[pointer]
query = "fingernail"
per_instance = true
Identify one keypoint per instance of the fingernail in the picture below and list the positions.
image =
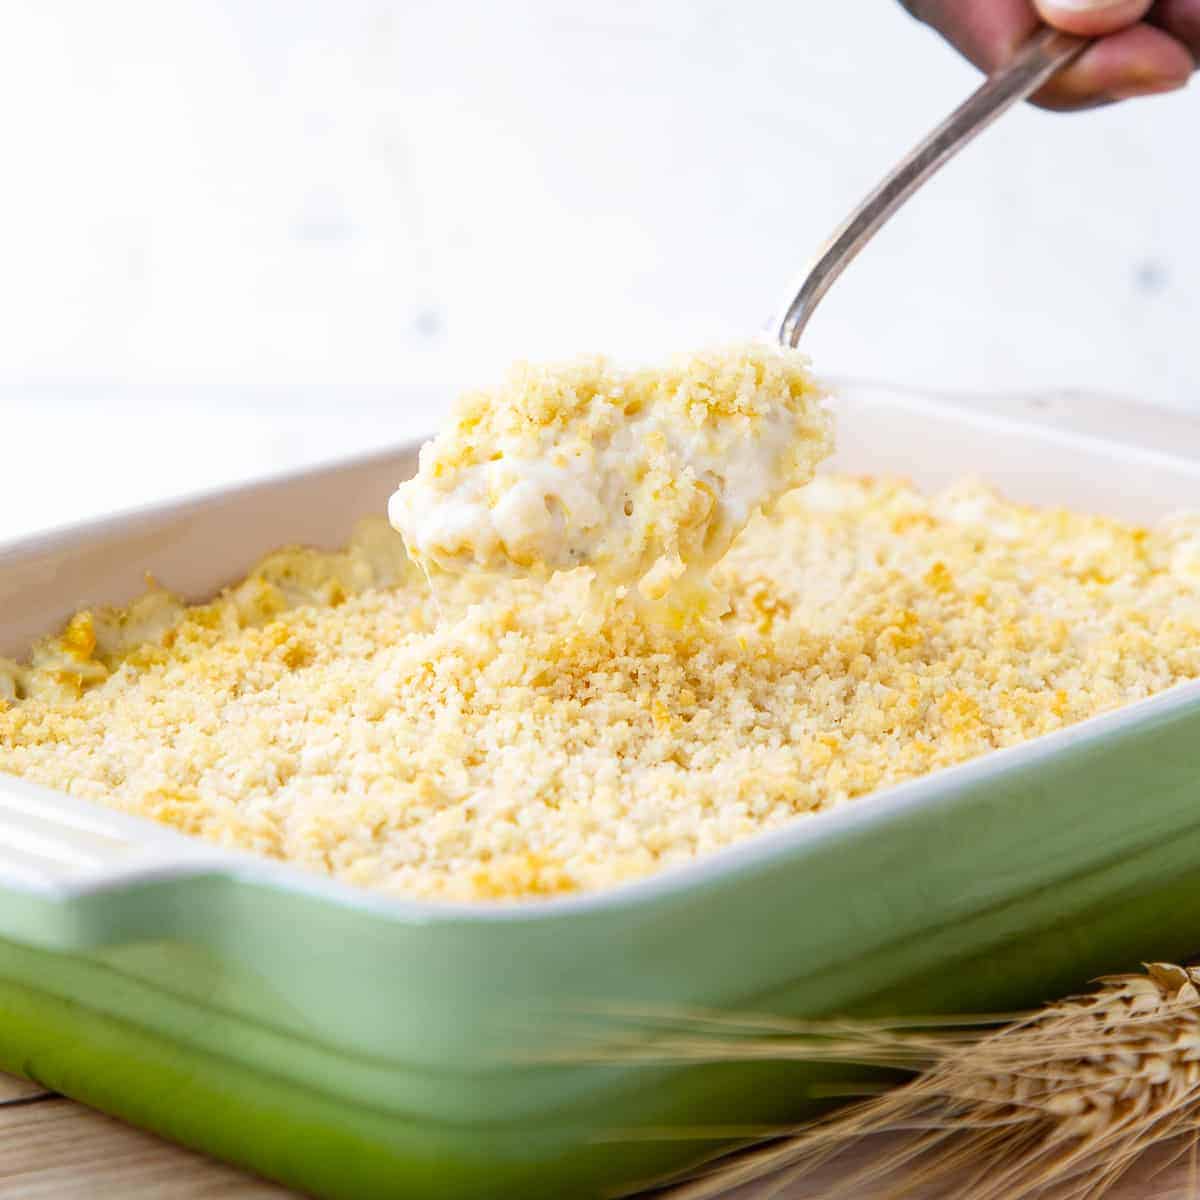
(1084, 5)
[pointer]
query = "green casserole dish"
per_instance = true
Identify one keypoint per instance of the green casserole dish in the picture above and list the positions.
(354, 1045)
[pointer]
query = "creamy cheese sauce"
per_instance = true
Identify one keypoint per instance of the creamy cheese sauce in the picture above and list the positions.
(641, 476)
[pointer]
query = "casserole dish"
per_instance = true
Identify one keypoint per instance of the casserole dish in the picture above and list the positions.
(353, 1045)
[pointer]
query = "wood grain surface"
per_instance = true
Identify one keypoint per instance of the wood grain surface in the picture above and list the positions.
(19, 1091)
(54, 1149)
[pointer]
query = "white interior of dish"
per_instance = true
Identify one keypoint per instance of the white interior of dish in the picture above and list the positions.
(196, 546)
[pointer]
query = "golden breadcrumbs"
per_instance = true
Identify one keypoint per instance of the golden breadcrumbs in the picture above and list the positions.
(318, 713)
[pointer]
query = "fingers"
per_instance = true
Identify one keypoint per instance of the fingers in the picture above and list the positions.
(988, 34)
(1092, 18)
(1156, 55)
(1140, 61)
(1181, 19)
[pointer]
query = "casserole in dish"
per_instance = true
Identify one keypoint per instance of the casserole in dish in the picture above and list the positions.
(352, 1044)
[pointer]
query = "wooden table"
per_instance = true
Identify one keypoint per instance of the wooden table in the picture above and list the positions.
(54, 1149)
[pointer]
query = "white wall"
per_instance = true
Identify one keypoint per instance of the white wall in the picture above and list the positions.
(408, 192)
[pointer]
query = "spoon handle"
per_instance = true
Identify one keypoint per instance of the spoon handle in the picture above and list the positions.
(1041, 57)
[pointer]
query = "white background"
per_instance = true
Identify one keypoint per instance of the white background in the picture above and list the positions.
(235, 235)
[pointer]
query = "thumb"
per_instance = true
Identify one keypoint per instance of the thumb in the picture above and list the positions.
(1092, 18)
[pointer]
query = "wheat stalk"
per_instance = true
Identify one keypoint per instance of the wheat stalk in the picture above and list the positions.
(1058, 1104)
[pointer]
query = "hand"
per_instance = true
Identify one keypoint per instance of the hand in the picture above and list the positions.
(1145, 47)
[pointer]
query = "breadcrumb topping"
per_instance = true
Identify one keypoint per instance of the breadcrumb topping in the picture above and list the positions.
(318, 713)
(641, 475)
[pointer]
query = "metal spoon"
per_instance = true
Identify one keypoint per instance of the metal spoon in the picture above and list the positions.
(1044, 54)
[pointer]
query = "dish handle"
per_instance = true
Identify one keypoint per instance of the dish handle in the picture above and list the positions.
(59, 855)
